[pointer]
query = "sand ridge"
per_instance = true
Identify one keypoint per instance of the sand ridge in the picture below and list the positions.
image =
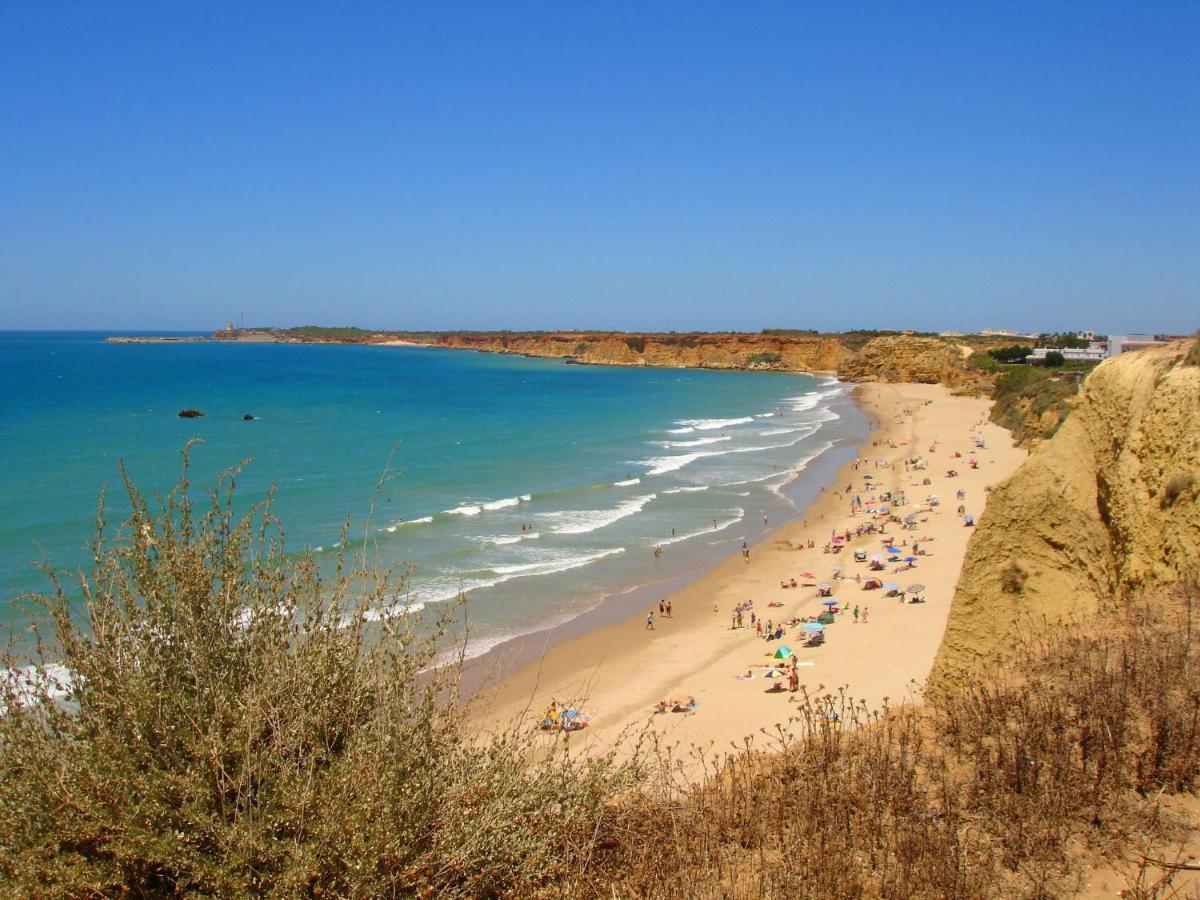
(618, 673)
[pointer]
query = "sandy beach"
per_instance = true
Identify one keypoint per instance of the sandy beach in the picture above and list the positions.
(619, 673)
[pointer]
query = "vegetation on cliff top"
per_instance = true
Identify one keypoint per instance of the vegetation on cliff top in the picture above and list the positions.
(238, 727)
(1032, 402)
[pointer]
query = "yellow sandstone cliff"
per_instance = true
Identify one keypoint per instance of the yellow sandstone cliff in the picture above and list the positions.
(1107, 508)
(707, 351)
(903, 358)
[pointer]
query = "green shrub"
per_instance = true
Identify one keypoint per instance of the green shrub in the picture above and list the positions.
(765, 358)
(240, 727)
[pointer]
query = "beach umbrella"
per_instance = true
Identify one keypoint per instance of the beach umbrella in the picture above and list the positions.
(910, 518)
(877, 557)
(869, 477)
(829, 603)
(916, 588)
(884, 509)
(892, 549)
(824, 586)
(890, 586)
(813, 627)
(910, 559)
(807, 575)
(783, 652)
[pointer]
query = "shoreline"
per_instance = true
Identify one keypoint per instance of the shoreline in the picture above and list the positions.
(618, 670)
(477, 671)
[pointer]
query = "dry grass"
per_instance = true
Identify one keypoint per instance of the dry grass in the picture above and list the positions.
(240, 728)
(992, 792)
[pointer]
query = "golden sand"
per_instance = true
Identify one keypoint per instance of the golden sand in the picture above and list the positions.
(618, 673)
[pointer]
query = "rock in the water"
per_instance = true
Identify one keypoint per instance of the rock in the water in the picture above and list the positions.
(248, 418)
(190, 414)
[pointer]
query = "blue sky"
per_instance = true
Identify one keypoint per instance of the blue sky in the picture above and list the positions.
(600, 165)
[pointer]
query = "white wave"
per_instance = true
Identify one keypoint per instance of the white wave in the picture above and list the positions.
(770, 415)
(583, 521)
(512, 538)
(720, 526)
(560, 563)
(699, 442)
(424, 520)
(710, 424)
(775, 431)
(503, 504)
(391, 528)
(687, 430)
(804, 402)
(627, 483)
(660, 465)
(29, 683)
(687, 489)
(450, 586)
(468, 510)
(799, 466)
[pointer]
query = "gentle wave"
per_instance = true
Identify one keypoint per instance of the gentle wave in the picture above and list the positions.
(627, 483)
(583, 521)
(450, 587)
(792, 472)
(720, 526)
(506, 503)
(710, 424)
(660, 465)
(770, 432)
(469, 510)
(558, 564)
(804, 402)
(686, 489)
(512, 538)
(29, 683)
(699, 442)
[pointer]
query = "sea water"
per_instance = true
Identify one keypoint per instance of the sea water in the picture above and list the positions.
(534, 486)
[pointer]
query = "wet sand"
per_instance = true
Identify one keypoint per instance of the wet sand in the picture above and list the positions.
(618, 672)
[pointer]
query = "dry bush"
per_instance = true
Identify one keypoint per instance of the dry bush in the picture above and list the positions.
(238, 727)
(990, 793)
(1012, 578)
(1193, 354)
(1177, 485)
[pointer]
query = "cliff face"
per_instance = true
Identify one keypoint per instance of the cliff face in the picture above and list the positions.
(709, 351)
(906, 359)
(1106, 508)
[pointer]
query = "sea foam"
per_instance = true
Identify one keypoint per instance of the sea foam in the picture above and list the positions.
(721, 525)
(583, 521)
(710, 424)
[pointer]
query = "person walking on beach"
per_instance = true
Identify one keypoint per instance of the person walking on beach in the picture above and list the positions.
(669, 609)
(650, 619)
(855, 613)
(866, 612)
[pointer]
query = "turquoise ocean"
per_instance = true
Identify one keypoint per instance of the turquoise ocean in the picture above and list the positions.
(600, 465)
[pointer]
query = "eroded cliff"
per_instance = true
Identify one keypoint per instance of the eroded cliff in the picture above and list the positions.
(707, 351)
(1104, 510)
(904, 358)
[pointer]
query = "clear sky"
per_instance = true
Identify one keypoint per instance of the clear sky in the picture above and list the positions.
(600, 165)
